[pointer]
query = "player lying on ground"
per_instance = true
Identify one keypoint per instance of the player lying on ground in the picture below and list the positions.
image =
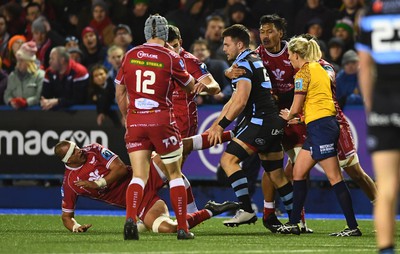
(96, 172)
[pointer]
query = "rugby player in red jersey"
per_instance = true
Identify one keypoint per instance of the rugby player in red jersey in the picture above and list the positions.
(144, 95)
(95, 172)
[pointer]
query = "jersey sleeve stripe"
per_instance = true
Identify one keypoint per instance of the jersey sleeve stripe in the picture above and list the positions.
(241, 78)
(110, 161)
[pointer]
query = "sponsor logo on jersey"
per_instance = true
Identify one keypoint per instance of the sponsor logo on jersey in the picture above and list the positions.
(275, 132)
(107, 154)
(298, 84)
(146, 63)
(278, 74)
(142, 54)
(94, 176)
(143, 103)
(133, 145)
(259, 141)
(182, 64)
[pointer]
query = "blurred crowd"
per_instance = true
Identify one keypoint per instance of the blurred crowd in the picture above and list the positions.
(58, 53)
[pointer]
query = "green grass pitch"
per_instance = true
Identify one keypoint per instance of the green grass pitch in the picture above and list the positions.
(46, 234)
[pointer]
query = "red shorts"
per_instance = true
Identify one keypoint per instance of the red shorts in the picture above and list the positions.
(150, 196)
(187, 124)
(152, 131)
(346, 147)
(295, 134)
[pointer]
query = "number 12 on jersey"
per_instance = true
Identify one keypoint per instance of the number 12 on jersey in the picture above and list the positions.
(144, 80)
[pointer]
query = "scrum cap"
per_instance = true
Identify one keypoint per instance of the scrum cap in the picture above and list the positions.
(156, 26)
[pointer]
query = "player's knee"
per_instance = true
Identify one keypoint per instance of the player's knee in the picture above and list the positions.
(237, 150)
(349, 162)
(164, 224)
(272, 165)
(172, 157)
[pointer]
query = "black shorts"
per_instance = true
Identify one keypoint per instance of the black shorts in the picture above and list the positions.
(384, 121)
(264, 135)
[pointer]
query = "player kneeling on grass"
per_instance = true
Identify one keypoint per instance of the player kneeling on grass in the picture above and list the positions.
(96, 172)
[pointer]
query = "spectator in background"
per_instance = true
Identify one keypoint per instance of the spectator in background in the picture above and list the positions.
(136, 20)
(114, 57)
(101, 22)
(71, 42)
(344, 30)
(350, 8)
(189, 19)
(3, 82)
(65, 83)
(335, 52)
(213, 35)
(26, 81)
(102, 93)
(12, 11)
(32, 12)
(347, 88)
(14, 44)
(315, 27)
(314, 9)
(93, 50)
(4, 36)
(217, 68)
(47, 9)
(45, 39)
(75, 54)
(123, 37)
(240, 14)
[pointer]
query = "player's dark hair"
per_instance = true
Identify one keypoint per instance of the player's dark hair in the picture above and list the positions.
(238, 32)
(173, 33)
(280, 23)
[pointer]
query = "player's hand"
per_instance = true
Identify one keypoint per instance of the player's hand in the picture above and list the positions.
(83, 228)
(199, 88)
(285, 114)
(234, 71)
(86, 184)
(215, 134)
(295, 120)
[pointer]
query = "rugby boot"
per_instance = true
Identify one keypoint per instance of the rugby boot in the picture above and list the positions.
(183, 235)
(241, 217)
(272, 223)
(218, 208)
(289, 228)
(348, 232)
(130, 230)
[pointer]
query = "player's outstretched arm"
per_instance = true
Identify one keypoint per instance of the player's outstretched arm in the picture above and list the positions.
(208, 85)
(72, 225)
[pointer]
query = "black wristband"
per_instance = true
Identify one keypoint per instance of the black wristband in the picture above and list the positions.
(224, 122)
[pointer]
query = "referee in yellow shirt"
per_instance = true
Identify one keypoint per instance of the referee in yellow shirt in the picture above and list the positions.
(313, 98)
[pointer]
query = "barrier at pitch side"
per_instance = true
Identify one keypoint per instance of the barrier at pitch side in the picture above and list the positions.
(27, 138)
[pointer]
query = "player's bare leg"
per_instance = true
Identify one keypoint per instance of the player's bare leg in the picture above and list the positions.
(358, 175)
(386, 166)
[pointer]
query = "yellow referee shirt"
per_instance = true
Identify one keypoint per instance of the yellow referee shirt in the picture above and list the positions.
(313, 81)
